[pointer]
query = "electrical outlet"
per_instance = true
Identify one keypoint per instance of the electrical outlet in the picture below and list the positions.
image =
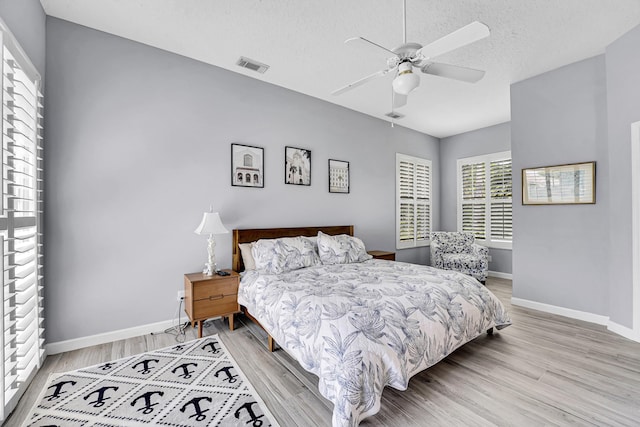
(490, 258)
(180, 295)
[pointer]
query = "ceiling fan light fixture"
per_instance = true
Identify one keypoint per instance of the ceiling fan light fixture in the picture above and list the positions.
(406, 81)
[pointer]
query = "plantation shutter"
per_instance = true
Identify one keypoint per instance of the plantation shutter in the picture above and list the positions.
(413, 201)
(501, 187)
(474, 199)
(423, 202)
(485, 198)
(20, 222)
(406, 185)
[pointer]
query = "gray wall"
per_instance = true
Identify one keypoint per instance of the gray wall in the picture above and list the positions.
(560, 253)
(623, 104)
(138, 146)
(26, 19)
(492, 139)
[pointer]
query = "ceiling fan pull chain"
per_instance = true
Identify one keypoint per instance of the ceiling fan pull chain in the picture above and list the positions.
(393, 109)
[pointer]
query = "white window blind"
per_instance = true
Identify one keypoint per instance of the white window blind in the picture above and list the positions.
(474, 194)
(485, 198)
(20, 222)
(413, 201)
(500, 186)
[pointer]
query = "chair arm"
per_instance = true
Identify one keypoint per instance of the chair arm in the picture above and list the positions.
(434, 246)
(436, 254)
(480, 250)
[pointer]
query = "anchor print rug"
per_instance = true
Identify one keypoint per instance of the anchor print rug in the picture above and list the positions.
(191, 384)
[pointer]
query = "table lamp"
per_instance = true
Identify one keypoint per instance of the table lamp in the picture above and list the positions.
(211, 224)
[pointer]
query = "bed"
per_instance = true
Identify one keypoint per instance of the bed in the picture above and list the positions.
(362, 324)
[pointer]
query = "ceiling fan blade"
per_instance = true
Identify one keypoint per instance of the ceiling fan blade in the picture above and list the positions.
(360, 82)
(399, 100)
(461, 37)
(456, 72)
(368, 44)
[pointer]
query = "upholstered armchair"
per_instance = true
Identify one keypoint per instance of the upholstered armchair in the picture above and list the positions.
(458, 251)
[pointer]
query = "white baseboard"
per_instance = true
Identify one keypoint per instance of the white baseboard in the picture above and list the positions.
(77, 343)
(623, 331)
(562, 311)
(107, 337)
(501, 275)
(614, 327)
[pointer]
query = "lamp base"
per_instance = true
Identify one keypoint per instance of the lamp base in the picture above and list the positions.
(210, 269)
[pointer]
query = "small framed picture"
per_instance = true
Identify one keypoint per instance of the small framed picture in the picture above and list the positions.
(297, 166)
(338, 176)
(247, 166)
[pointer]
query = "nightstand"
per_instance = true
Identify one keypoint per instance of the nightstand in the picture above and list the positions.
(211, 296)
(390, 256)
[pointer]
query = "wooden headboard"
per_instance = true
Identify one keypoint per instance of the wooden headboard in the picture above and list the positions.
(253, 234)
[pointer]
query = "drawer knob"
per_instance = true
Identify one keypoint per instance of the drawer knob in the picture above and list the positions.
(216, 297)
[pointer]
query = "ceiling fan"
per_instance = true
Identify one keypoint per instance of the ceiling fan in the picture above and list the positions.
(409, 55)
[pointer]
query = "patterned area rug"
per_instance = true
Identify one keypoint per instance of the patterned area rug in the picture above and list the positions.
(192, 384)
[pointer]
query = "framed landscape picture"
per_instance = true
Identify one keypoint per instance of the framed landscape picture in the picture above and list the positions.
(247, 166)
(338, 176)
(559, 185)
(297, 166)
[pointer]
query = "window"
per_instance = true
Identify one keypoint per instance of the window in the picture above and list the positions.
(484, 198)
(20, 222)
(413, 201)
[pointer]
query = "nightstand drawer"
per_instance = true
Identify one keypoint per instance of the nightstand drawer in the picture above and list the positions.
(217, 289)
(206, 308)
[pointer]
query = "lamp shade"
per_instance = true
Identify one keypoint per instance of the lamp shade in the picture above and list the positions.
(211, 224)
(406, 81)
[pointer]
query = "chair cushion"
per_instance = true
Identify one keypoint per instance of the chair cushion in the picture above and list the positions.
(462, 262)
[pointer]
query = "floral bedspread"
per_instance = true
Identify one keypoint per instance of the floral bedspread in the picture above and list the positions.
(360, 327)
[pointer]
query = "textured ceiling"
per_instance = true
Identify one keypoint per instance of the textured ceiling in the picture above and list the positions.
(303, 43)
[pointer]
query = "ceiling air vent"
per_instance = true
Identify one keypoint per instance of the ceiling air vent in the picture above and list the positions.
(252, 65)
(394, 115)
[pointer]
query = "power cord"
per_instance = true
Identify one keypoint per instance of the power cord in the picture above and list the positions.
(178, 330)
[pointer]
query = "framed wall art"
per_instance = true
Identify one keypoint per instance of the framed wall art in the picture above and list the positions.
(247, 166)
(560, 185)
(297, 166)
(338, 176)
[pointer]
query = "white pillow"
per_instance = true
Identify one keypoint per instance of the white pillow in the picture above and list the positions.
(314, 242)
(341, 249)
(275, 256)
(247, 256)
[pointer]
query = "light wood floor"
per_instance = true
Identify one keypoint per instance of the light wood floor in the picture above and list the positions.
(542, 370)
